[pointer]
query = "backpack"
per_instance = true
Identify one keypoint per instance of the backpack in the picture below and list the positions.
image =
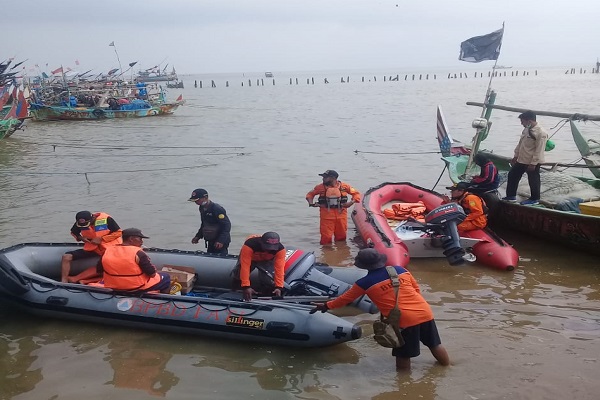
(387, 331)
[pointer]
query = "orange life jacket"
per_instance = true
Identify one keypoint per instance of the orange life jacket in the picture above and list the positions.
(98, 228)
(122, 272)
(333, 197)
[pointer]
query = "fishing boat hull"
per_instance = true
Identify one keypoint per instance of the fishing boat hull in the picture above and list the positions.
(376, 231)
(9, 126)
(30, 280)
(41, 112)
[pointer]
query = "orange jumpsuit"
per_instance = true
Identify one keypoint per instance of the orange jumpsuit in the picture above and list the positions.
(473, 206)
(334, 220)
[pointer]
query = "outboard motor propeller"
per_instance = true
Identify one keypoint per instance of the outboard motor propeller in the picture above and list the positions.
(444, 220)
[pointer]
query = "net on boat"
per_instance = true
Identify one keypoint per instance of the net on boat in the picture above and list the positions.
(559, 189)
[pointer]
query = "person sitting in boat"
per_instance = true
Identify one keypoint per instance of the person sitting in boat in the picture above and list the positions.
(333, 202)
(268, 255)
(128, 267)
(488, 179)
(473, 205)
(97, 231)
(416, 317)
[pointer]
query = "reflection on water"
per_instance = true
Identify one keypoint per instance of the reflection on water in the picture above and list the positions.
(139, 366)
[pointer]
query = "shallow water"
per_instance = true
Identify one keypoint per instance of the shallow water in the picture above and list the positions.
(529, 334)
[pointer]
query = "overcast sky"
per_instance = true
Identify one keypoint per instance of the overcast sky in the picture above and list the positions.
(218, 36)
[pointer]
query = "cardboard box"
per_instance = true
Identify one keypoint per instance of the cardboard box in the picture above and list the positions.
(186, 276)
(590, 208)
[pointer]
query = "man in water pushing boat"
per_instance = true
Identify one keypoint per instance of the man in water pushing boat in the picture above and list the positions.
(97, 231)
(335, 197)
(529, 155)
(416, 317)
(268, 255)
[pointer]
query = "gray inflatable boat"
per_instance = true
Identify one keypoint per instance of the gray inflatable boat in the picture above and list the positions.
(30, 279)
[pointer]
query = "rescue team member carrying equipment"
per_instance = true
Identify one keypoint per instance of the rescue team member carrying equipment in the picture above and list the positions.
(215, 226)
(333, 203)
(128, 267)
(473, 205)
(97, 231)
(268, 255)
(416, 317)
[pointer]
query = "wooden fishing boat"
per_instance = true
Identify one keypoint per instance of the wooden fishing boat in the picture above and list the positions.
(400, 241)
(41, 112)
(30, 280)
(12, 117)
(157, 76)
(569, 211)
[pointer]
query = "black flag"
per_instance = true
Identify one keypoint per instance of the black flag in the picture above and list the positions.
(481, 48)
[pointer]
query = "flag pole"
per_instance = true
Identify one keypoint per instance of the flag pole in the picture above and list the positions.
(113, 45)
(489, 88)
(480, 131)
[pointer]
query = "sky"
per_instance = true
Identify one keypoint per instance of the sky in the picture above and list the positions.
(238, 36)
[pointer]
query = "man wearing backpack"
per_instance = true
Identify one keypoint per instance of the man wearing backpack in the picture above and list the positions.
(416, 318)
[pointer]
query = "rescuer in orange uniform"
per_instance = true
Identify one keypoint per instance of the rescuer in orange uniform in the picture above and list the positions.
(128, 267)
(333, 202)
(416, 318)
(268, 255)
(473, 205)
(97, 232)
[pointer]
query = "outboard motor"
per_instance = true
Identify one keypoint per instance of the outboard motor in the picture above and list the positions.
(304, 279)
(444, 220)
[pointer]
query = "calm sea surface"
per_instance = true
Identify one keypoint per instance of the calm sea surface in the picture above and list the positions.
(533, 333)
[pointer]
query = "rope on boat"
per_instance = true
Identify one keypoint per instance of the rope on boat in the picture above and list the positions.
(104, 147)
(182, 303)
(440, 177)
(397, 153)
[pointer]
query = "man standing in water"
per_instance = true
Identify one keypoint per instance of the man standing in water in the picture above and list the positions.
(416, 318)
(215, 226)
(333, 202)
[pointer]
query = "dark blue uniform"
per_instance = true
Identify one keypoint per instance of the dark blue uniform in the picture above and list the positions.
(215, 227)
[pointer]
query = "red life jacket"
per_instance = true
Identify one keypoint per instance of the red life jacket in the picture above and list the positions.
(122, 272)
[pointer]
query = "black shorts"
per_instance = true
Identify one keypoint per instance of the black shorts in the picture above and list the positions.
(425, 333)
(80, 254)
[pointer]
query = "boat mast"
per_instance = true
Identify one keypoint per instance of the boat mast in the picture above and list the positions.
(482, 128)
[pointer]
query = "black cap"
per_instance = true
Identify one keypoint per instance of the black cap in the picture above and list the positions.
(133, 232)
(331, 173)
(528, 115)
(459, 186)
(370, 259)
(197, 194)
(83, 215)
(270, 241)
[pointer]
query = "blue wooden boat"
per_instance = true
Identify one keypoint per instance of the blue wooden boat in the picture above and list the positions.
(42, 112)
